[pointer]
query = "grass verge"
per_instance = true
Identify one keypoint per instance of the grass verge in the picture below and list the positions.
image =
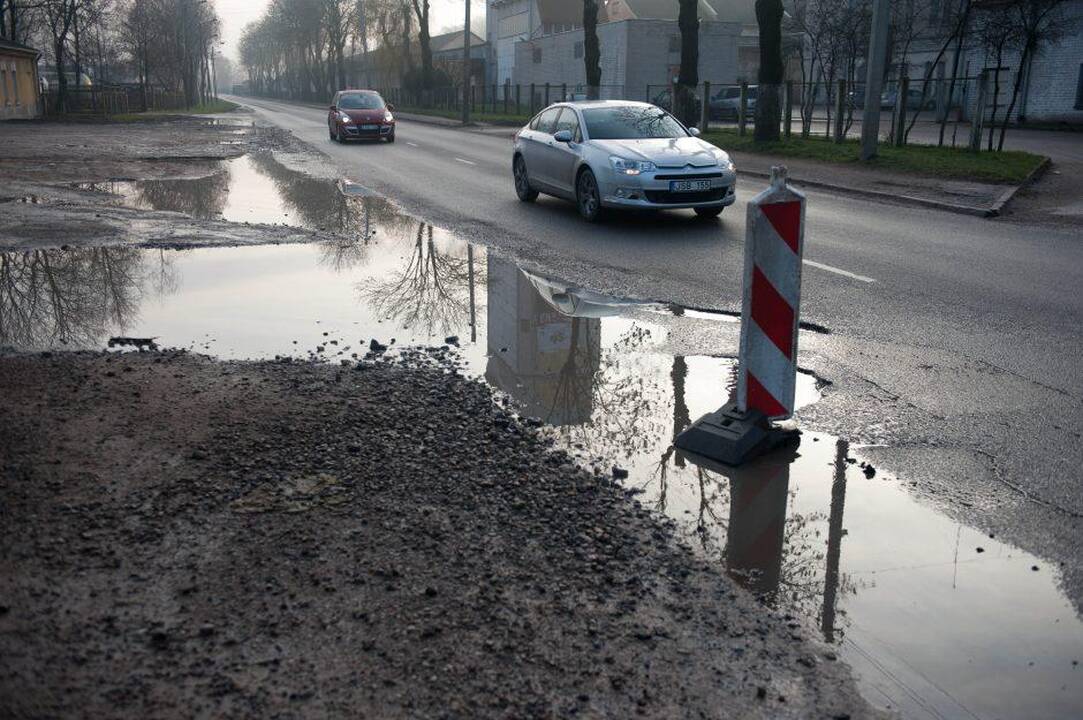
(498, 118)
(1009, 166)
(212, 108)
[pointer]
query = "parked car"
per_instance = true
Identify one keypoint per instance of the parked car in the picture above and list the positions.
(663, 100)
(620, 154)
(913, 99)
(360, 114)
(726, 103)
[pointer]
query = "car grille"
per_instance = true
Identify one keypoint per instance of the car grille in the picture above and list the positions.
(666, 197)
(695, 176)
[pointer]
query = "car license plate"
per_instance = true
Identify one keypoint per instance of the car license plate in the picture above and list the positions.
(370, 127)
(689, 185)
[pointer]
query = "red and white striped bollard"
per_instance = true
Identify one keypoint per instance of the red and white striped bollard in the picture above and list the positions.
(767, 360)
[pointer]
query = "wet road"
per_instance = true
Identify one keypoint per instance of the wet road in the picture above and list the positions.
(938, 618)
(954, 345)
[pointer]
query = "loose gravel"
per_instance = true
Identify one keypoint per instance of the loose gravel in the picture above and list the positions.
(181, 537)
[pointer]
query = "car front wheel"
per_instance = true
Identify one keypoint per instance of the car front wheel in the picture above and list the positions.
(587, 196)
(522, 181)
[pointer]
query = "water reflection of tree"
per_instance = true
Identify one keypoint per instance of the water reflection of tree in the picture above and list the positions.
(320, 204)
(201, 198)
(51, 297)
(431, 292)
(624, 422)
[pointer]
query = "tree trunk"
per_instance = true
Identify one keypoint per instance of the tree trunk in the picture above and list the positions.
(772, 70)
(78, 48)
(684, 105)
(61, 81)
(960, 34)
(996, 95)
(591, 52)
(1023, 58)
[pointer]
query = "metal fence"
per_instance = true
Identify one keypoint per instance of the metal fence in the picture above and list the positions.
(947, 111)
(512, 100)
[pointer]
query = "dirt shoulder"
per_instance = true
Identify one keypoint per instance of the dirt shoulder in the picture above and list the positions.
(186, 537)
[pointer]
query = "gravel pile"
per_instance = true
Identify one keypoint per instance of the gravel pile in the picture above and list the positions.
(182, 537)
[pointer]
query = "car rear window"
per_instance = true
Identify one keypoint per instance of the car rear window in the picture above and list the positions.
(630, 122)
(362, 101)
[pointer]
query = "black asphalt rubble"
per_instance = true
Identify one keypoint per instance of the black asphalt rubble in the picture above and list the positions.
(183, 537)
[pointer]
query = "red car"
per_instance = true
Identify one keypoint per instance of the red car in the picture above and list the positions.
(360, 114)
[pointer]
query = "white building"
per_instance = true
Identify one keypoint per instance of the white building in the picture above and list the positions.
(541, 41)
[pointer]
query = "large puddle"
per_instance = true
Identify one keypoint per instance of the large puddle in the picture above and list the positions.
(937, 619)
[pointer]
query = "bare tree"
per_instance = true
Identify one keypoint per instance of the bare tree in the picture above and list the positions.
(1039, 24)
(998, 32)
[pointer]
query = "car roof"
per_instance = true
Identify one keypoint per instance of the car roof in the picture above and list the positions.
(584, 104)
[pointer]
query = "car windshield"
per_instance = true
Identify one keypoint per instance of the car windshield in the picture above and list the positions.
(630, 122)
(366, 101)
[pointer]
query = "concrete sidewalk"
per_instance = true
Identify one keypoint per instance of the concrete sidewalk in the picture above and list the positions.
(968, 197)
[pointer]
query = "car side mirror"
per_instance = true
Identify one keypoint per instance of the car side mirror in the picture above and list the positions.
(390, 107)
(564, 136)
(332, 108)
(693, 131)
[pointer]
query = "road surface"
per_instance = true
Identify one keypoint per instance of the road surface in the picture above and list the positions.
(954, 342)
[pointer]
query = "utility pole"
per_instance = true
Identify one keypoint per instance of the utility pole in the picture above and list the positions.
(466, 65)
(874, 78)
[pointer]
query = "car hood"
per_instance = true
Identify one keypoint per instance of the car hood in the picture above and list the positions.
(663, 152)
(366, 115)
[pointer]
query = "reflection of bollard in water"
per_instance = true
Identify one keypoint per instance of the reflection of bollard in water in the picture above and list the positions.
(758, 496)
(767, 362)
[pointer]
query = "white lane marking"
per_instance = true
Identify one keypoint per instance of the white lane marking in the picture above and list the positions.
(847, 273)
(468, 162)
(411, 144)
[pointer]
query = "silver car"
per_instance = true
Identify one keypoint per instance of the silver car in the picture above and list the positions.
(620, 154)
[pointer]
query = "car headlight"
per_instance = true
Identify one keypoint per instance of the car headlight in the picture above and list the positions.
(724, 161)
(631, 167)
(388, 117)
(344, 118)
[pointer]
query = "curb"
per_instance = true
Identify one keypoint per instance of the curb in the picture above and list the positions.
(887, 197)
(1008, 195)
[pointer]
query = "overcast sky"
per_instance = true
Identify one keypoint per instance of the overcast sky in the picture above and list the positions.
(444, 15)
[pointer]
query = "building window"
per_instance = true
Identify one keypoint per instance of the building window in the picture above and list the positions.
(4, 85)
(537, 55)
(674, 43)
(1079, 90)
(15, 83)
(578, 50)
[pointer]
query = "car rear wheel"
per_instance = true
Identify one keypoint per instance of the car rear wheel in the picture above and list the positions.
(708, 212)
(522, 181)
(587, 197)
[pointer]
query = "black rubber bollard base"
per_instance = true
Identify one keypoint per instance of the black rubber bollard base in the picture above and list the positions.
(731, 437)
